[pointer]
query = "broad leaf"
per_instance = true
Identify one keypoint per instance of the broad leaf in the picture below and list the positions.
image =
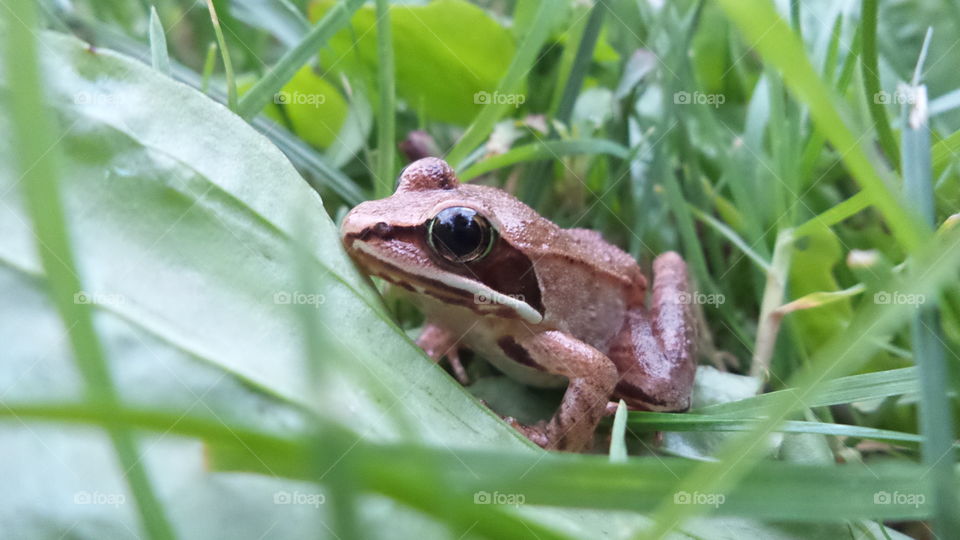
(446, 51)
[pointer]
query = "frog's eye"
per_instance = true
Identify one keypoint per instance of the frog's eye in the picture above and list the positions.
(460, 234)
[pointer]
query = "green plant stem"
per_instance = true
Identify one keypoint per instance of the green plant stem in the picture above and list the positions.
(768, 326)
(386, 123)
(36, 146)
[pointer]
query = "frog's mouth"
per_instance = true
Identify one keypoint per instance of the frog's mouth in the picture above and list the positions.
(399, 261)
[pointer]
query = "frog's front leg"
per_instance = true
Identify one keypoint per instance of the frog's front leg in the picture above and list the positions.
(438, 342)
(592, 377)
(655, 350)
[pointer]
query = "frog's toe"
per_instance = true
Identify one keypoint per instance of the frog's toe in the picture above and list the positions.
(611, 408)
(536, 433)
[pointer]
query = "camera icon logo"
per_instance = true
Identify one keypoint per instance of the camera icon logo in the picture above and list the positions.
(481, 497)
(681, 97)
(481, 98)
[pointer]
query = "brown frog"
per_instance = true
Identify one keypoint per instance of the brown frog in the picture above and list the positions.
(545, 305)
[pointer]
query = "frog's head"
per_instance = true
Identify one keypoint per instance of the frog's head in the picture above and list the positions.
(461, 244)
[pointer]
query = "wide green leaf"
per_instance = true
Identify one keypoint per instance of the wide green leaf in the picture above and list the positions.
(446, 51)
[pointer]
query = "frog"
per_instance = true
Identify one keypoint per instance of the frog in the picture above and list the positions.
(550, 307)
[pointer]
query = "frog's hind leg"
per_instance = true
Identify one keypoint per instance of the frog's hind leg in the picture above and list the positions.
(655, 350)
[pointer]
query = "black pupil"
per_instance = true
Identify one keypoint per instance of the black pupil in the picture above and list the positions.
(460, 233)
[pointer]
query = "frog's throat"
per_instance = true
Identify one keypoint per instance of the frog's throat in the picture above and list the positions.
(486, 300)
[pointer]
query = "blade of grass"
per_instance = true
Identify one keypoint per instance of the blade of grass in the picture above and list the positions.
(522, 63)
(618, 435)
(871, 82)
(771, 36)
(730, 235)
(225, 54)
(850, 389)
(581, 62)
(544, 149)
(645, 421)
(158, 44)
(945, 103)
(945, 151)
(386, 122)
(816, 141)
(835, 214)
(36, 145)
(262, 92)
(936, 418)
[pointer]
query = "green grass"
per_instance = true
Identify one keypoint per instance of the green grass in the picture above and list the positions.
(749, 139)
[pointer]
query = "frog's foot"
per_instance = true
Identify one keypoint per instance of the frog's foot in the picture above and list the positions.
(438, 342)
(536, 433)
(655, 351)
(592, 377)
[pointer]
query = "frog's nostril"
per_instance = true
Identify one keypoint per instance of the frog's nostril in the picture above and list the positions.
(382, 229)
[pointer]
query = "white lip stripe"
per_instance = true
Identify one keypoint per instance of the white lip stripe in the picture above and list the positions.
(523, 309)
